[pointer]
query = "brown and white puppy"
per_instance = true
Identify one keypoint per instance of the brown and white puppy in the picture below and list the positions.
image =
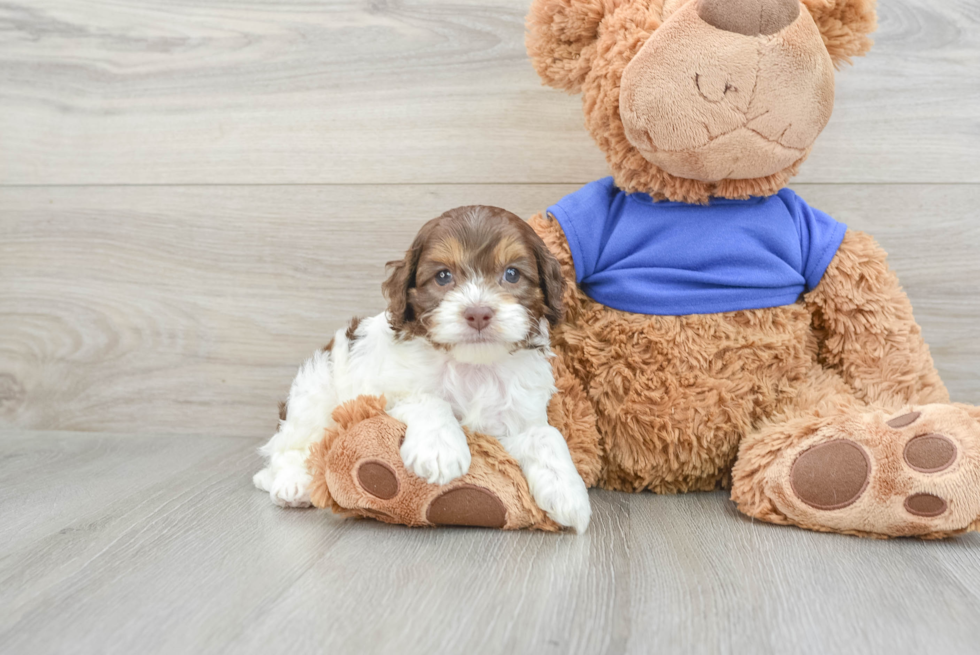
(477, 282)
(464, 342)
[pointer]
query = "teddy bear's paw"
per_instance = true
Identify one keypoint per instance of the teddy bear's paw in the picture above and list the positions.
(288, 487)
(916, 472)
(398, 497)
(361, 471)
(467, 504)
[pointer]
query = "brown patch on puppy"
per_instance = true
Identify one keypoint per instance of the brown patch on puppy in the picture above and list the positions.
(351, 333)
(282, 410)
(449, 252)
(508, 250)
(402, 278)
(466, 244)
(552, 281)
(329, 347)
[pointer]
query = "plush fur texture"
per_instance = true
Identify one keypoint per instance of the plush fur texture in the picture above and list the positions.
(464, 344)
(827, 413)
(752, 113)
(361, 431)
(587, 45)
(686, 403)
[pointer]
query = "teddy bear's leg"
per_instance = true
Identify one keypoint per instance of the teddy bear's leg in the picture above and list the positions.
(357, 470)
(840, 466)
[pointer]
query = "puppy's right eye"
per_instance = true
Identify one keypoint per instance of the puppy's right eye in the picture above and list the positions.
(444, 277)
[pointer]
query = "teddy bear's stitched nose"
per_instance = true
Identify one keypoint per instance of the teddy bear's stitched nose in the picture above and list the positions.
(749, 17)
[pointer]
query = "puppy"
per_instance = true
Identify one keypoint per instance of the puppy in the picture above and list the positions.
(464, 342)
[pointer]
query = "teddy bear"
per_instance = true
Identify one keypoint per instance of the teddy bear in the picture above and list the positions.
(718, 332)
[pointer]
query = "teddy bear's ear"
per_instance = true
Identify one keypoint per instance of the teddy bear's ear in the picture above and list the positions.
(845, 26)
(561, 39)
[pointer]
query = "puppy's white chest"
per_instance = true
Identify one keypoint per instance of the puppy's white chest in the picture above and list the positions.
(480, 396)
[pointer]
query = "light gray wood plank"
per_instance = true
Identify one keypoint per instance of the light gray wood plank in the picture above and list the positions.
(198, 561)
(166, 549)
(187, 309)
(707, 580)
(467, 592)
(175, 309)
(152, 92)
(66, 501)
(160, 545)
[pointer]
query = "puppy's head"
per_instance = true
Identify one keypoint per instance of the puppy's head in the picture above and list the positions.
(478, 282)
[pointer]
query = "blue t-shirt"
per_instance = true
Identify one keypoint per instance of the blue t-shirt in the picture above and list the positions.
(674, 258)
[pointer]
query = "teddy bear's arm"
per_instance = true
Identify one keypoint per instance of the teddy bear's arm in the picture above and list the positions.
(866, 330)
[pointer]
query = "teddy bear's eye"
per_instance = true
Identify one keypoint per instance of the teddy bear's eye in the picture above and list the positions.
(444, 277)
(512, 275)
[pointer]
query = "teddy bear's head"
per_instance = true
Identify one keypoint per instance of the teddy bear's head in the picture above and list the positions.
(697, 98)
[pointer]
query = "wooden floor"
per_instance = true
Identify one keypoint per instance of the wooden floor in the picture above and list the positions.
(134, 543)
(195, 193)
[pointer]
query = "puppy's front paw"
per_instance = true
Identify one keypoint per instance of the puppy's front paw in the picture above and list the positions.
(263, 479)
(436, 453)
(564, 499)
(290, 488)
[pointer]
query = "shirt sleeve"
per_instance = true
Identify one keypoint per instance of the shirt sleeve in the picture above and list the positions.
(820, 237)
(582, 215)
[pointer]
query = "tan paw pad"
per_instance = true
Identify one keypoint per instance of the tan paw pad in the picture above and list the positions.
(930, 453)
(468, 505)
(915, 472)
(378, 479)
(903, 420)
(831, 475)
(925, 505)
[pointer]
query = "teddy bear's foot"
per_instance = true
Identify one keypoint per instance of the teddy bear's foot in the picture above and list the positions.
(357, 470)
(912, 473)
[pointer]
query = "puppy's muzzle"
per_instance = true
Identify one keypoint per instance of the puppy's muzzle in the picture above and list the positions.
(478, 317)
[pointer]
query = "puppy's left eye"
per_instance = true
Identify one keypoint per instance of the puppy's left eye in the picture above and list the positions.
(512, 275)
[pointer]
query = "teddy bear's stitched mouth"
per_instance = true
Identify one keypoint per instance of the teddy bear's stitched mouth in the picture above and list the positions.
(643, 141)
(708, 163)
(648, 146)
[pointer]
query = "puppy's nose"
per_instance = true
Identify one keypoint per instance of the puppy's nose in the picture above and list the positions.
(478, 317)
(749, 17)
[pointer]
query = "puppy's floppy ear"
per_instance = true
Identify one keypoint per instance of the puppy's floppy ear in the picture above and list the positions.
(844, 26)
(400, 281)
(551, 280)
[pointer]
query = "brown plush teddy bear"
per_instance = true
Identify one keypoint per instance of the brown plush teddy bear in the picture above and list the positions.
(719, 332)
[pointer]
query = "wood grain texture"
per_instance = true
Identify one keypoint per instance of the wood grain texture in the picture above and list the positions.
(182, 309)
(709, 580)
(131, 543)
(403, 91)
(188, 309)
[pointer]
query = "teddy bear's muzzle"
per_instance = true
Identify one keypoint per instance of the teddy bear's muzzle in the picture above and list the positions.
(728, 89)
